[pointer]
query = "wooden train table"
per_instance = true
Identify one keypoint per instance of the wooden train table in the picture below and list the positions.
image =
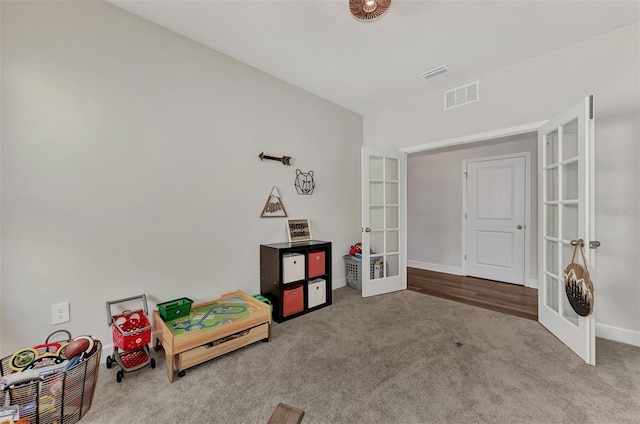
(211, 329)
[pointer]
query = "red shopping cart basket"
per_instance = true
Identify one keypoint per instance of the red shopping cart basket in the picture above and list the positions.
(131, 329)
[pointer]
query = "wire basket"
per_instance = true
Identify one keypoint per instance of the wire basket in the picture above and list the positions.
(62, 397)
(131, 330)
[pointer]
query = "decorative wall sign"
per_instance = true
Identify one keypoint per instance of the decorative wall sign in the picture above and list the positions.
(286, 160)
(273, 208)
(298, 230)
(304, 182)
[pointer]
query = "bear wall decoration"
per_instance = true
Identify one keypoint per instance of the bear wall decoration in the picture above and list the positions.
(304, 182)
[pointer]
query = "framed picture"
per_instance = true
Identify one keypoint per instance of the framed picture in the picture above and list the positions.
(298, 230)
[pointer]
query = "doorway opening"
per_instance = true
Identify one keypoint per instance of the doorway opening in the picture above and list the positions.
(436, 233)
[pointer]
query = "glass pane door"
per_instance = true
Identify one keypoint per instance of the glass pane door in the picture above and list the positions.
(566, 213)
(383, 222)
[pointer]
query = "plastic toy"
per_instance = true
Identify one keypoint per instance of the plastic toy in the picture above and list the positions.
(131, 336)
(81, 346)
(356, 249)
(37, 357)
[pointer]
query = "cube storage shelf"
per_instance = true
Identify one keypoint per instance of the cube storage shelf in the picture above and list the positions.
(296, 277)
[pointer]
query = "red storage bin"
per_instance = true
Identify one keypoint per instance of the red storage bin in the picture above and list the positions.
(293, 300)
(316, 263)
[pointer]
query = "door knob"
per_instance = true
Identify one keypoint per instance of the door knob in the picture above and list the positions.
(519, 227)
(367, 230)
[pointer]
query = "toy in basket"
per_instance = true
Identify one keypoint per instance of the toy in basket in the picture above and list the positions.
(131, 332)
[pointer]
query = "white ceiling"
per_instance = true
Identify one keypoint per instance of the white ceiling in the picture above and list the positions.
(367, 66)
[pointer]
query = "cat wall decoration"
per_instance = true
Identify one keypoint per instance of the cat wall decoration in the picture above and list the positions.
(304, 182)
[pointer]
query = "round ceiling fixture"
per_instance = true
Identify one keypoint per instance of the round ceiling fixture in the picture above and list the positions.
(368, 10)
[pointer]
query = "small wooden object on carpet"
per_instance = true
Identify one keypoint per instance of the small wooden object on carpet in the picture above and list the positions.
(285, 414)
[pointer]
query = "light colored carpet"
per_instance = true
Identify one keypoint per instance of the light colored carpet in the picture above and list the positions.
(404, 357)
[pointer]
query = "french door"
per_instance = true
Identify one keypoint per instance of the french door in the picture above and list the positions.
(566, 214)
(384, 223)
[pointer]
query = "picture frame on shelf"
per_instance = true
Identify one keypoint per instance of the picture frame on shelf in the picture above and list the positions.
(298, 230)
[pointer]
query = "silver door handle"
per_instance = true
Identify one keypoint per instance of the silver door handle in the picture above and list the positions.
(519, 227)
(367, 230)
(592, 244)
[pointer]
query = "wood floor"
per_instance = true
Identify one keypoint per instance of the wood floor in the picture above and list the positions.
(502, 297)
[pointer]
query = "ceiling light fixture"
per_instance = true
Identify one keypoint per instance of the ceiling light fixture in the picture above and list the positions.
(368, 10)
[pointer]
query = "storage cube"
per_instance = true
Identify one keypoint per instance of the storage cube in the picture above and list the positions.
(293, 300)
(292, 267)
(316, 263)
(317, 292)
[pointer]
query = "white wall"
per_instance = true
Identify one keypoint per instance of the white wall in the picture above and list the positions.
(434, 209)
(130, 165)
(606, 66)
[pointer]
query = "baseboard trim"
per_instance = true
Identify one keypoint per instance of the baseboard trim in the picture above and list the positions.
(618, 334)
(532, 283)
(427, 266)
(107, 350)
(339, 282)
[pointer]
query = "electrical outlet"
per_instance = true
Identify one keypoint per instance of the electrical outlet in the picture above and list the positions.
(60, 313)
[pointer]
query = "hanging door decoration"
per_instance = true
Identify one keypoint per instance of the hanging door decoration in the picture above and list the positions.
(273, 208)
(577, 283)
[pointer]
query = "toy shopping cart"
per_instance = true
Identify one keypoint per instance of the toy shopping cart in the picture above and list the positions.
(131, 336)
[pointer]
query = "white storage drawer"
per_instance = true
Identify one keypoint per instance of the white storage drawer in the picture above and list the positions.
(317, 291)
(292, 267)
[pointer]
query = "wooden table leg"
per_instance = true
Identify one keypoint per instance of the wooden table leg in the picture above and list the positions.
(170, 360)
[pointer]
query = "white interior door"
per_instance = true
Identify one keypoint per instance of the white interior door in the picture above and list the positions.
(495, 223)
(566, 212)
(384, 221)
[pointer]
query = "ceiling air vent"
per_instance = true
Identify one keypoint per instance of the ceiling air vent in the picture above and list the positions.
(436, 72)
(462, 95)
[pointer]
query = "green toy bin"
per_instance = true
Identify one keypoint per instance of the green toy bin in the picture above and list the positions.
(175, 308)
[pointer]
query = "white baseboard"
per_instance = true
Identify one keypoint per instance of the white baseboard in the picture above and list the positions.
(618, 334)
(455, 270)
(532, 283)
(339, 282)
(107, 350)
